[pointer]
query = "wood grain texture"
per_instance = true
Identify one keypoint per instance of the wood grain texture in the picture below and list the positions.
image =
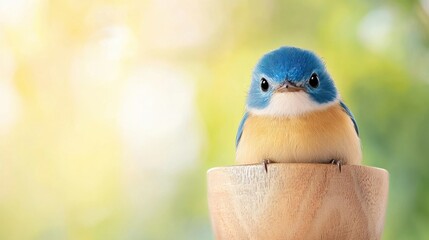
(297, 201)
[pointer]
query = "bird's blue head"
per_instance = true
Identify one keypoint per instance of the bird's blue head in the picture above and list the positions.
(290, 81)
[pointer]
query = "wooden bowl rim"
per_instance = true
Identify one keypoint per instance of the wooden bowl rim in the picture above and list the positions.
(291, 166)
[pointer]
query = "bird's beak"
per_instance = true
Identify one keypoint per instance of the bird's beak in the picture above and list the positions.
(289, 87)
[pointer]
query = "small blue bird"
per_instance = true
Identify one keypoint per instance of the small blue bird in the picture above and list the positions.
(294, 114)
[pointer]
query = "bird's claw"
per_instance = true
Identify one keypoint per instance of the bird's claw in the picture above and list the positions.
(337, 162)
(265, 163)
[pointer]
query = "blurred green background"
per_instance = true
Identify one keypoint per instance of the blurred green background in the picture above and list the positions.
(112, 111)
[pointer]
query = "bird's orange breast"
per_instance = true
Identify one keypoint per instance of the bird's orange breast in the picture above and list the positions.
(314, 137)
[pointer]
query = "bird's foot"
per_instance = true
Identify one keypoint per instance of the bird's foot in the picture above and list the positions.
(265, 163)
(337, 162)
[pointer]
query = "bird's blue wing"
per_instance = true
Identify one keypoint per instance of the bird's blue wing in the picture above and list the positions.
(240, 129)
(347, 110)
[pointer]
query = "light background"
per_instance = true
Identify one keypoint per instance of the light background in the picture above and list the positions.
(112, 111)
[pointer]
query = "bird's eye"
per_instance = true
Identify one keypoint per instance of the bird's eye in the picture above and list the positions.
(264, 84)
(314, 81)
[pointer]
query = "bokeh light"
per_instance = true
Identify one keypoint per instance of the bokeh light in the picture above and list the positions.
(111, 112)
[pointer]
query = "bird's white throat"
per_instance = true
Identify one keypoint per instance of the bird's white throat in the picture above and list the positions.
(290, 104)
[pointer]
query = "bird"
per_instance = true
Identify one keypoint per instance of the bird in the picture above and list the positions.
(294, 114)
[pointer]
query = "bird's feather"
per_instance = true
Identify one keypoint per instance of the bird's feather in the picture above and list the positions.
(319, 136)
(240, 129)
(347, 110)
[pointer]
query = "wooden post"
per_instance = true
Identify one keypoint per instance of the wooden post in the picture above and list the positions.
(297, 201)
